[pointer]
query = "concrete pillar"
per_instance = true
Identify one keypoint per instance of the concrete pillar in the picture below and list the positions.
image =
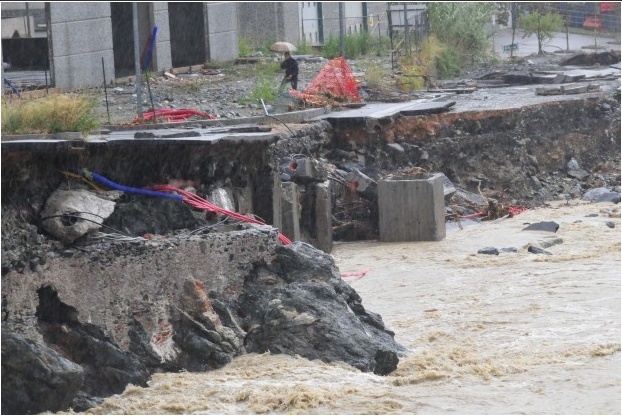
(412, 208)
(290, 211)
(323, 218)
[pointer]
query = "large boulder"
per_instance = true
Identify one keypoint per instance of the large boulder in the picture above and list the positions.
(299, 305)
(35, 378)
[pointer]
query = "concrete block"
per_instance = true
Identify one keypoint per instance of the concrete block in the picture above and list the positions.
(244, 198)
(290, 211)
(362, 183)
(323, 218)
(307, 170)
(574, 88)
(412, 208)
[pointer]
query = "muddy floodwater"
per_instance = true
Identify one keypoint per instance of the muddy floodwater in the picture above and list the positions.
(514, 333)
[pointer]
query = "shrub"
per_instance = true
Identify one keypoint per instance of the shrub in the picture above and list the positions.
(353, 49)
(331, 48)
(304, 48)
(365, 44)
(448, 63)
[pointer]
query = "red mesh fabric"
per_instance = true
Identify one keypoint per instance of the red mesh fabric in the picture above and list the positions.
(335, 80)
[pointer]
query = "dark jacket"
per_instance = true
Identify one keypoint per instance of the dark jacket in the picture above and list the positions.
(291, 67)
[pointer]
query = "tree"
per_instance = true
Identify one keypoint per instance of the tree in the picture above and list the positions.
(542, 24)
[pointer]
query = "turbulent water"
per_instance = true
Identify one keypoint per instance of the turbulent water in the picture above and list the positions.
(517, 333)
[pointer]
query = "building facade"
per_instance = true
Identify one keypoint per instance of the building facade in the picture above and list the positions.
(77, 45)
(82, 42)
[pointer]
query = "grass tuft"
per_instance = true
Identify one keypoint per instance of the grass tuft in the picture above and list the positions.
(52, 114)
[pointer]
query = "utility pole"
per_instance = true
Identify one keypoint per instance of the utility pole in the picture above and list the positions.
(28, 20)
(342, 31)
(139, 99)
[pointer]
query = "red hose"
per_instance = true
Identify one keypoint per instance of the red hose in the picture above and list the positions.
(202, 204)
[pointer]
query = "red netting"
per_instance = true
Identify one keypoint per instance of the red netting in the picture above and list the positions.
(336, 81)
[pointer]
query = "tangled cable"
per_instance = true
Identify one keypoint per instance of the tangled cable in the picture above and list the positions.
(167, 191)
(173, 115)
(197, 202)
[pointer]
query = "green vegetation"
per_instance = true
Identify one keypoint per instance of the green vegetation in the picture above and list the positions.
(543, 25)
(267, 88)
(376, 76)
(244, 47)
(448, 63)
(265, 47)
(461, 26)
(418, 69)
(331, 48)
(358, 44)
(53, 114)
(304, 48)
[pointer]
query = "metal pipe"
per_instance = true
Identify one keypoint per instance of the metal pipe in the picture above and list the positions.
(105, 89)
(139, 100)
(342, 31)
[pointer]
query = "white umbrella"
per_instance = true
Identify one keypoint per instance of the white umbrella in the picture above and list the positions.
(282, 47)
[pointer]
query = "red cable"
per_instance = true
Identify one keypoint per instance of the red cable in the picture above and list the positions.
(200, 203)
(174, 115)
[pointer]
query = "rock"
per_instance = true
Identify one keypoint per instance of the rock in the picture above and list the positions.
(35, 378)
(572, 164)
(608, 197)
(309, 311)
(509, 250)
(69, 215)
(538, 250)
(139, 215)
(488, 250)
(543, 226)
(396, 147)
(537, 185)
(578, 174)
(594, 193)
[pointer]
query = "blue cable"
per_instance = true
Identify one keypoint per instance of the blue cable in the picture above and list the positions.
(150, 51)
(13, 88)
(113, 185)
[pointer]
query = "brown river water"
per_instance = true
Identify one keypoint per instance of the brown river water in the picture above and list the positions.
(517, 333)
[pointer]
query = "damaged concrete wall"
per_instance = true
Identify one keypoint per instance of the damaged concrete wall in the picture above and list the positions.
(32, 172)
(106, 285)
(505, 146)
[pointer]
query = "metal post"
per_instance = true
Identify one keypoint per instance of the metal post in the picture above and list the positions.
(139, 100)
(28, 20)
(342, 31)
(105, 89)
(406, 31)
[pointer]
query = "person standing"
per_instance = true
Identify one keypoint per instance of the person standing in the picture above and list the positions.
(291, 71)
